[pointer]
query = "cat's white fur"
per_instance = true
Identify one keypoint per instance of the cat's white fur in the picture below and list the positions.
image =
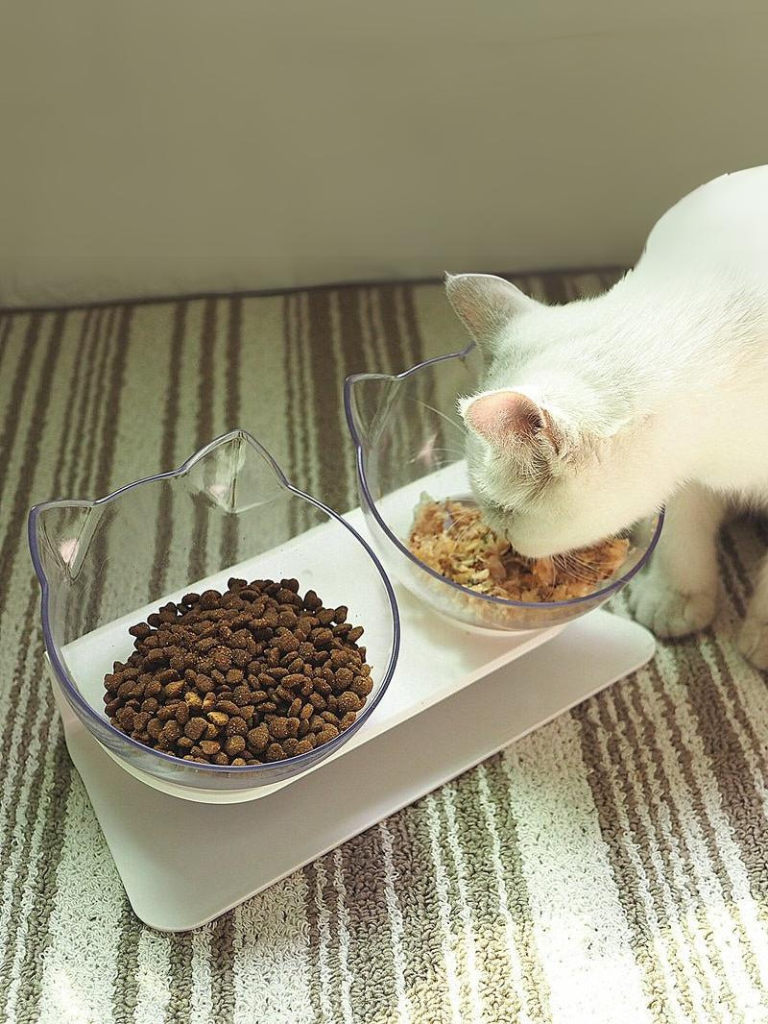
(653, 394)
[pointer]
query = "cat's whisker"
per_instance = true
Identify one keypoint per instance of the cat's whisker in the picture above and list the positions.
(576, 567)
(442, 415)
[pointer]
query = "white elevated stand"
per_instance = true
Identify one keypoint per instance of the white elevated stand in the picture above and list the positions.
(456, 698)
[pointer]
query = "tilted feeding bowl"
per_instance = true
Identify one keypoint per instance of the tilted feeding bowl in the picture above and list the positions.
(409, 440)
(228, 511)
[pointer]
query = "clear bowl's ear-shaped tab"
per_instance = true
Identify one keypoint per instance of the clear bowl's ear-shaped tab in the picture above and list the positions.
(236, 474)
(371, 400)
(62, 533)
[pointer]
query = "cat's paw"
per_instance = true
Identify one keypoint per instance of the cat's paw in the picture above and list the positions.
(668, 611)
(753, 641)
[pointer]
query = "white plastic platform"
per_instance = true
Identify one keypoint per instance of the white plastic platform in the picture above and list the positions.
(440, 721)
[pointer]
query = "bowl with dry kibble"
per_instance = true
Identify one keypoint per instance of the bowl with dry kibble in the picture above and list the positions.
(429, 532)
(218, 631)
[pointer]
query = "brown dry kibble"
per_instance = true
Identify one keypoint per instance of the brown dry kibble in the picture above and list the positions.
(256, 674)
(234, 745)
(171, 731)
(193, 700)
(362, 686)
(218, 718)
(195, 728)
(227, 708)
(278, 729)
(328, 733)
(344, 676)
(451, 538)
(258, 739)
(349, 701)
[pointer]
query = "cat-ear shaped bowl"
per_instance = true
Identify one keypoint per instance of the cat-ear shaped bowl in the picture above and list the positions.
(409, 440)
(229, 511)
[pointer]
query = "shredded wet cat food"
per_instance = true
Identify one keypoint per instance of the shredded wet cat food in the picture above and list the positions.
(451, 538)
(253, 675)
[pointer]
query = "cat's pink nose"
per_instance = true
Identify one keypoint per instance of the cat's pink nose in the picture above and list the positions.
(502, 415)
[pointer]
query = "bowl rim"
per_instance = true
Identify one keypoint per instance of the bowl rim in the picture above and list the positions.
(614, 584)
(71, 691)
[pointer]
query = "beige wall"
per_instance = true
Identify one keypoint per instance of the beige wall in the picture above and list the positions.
(182, 145)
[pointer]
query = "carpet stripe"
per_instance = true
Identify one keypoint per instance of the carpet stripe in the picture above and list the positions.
(633, 886)
(396, 927)
(232, 413)
(204, 433)
(322, 426)
(291, 403)
(201, 1001)
(39, 415)
(345, 335)
(17, 713)
(342, 922)
(81, 837)
(681, 954)
(311, 913)
(24, 723)
(153, 995)
(748, 684)
(99, 412)
(450, 941)
(731, 953)
(324, 954)
(84, 926)
(168, 442)
(25, 837)
(272, 957)
(49, 808)
(577, 924)
(222, 969)
(6, 326)
(661, 821)
(524, 973)
(417, 891)
(497, 968)
(389, 353)
(683, 751)
(308, 476)
(361, 891)
(14, 414)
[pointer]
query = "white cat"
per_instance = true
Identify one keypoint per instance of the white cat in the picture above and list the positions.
(601, 411)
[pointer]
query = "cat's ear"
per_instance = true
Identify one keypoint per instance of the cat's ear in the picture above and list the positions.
(502, 415)
(485, 304)
(508, 418)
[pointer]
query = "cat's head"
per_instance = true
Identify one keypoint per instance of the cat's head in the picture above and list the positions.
(560, 448)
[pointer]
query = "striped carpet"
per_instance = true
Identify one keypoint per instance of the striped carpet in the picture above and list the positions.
(611, 867)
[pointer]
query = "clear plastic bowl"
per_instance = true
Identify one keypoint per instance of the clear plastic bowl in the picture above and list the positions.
(228, 511)
(409, 440)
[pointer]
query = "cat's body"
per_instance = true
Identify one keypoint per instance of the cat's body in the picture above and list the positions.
(598, 412)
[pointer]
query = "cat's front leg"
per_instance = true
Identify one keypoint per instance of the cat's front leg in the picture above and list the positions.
(753, 638)
(678, 594)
